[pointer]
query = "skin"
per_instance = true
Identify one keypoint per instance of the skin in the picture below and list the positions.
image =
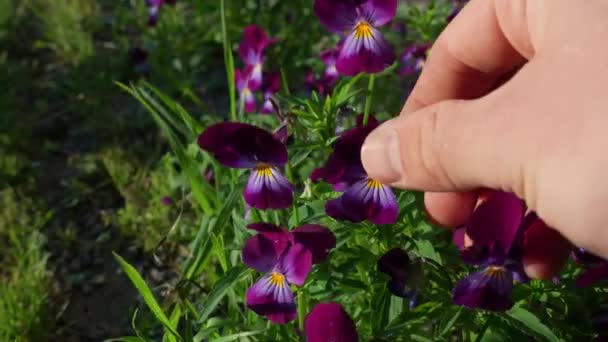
(514, 96)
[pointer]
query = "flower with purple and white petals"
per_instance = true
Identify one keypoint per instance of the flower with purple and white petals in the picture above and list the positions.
(251, 50)
(272, 84)
(330, 58)
(329, 322)
(154, 7)
(365, 49)
(497, 229)
(244, 146)
(413, 59)
(286, 257)
(405, 274)
(363, 198)
(596, 268)
(245, 90)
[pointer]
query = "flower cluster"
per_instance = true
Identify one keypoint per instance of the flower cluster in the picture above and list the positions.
(363, 198)
(252, 77)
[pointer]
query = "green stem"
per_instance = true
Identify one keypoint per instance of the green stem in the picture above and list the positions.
(229, 62)
(368, 98)
(302, 309)
(483, 330)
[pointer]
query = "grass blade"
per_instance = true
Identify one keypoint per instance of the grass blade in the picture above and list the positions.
(233, 276)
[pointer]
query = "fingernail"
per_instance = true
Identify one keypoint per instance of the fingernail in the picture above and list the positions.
(381, 155)
(545, 251)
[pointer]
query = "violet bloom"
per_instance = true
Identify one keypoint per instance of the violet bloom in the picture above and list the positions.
(405, 274)
(286, 257)
(364, 198)
(329, 322)
(251, 50)
(330, 58)
(243, 86)
(322, 85)
(596, 268)
(365, 49)
(272, 84)
(497, 229)
(154, 7)
(413, 59)
(244, 146)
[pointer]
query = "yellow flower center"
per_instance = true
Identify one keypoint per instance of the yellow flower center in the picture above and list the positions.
(277, 279)
(363, 30)
(495, 271)
(264, 170)
(374, 184)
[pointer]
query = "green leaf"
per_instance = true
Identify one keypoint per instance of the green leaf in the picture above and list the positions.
(146, 294)
(125, 339)
(233, 276)
(235, 337)
(530, 321)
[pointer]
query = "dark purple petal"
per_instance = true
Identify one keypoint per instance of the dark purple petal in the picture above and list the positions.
(240, 145)
(376, 201)
(272, 83)
(335, 209)
(268, 108)
(394, 263)
(336, 15)
(267, 188)
(365, 50)
(458, 238)
(262, 254)
(497, 220)
(271, 296)
(316, 238)
(489, 289)
(252, 45)
(582, 257)
(278, 235)
(296, 263)
(329, 322)
(379, 12)
(593, 275)
(241, 78)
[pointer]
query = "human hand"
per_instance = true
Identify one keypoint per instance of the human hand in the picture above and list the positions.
(512, 97)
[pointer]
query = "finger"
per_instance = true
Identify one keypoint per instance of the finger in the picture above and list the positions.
(545, 251)
(449, 209)
(488, 39)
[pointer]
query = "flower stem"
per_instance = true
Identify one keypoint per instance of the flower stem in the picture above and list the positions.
(302, 309)
(229, 62)
(368, 98)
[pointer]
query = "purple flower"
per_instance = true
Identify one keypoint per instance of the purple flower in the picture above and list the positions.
(330, 58)
(363, 198)
(286, 258)
(166, 201)
(497, 229)
(413, 59)
(243, 86)
(272, 84)
(596, 268)
(405, 275)
(243, 146)
(365, 49)
(329, 322)
(154, 7)
(321, 85)
(251, 50)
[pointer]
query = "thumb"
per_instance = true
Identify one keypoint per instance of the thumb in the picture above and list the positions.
(453, 145)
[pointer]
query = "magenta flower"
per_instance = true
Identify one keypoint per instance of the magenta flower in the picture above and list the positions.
(363, 198)
(251, 50)
(596, 268)
(245, 89)
(497, 229)
(330, 58)
(404, 273)
(154, 7)
(365, 49)
(329, 322)
(413, 59)
(272, 84)
(243, 146)
(286, 258)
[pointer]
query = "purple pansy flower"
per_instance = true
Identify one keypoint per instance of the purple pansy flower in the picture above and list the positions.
(154, 7)
(322, 85)
(413, 59)
(243, 86)
(329, 322)
(330, 58)
(251, 50)
(404, 273)
(272, 84)
(365, 49)
(244, 146)
(286, 258)
(596, 268)
(363, 198)
(497, 229)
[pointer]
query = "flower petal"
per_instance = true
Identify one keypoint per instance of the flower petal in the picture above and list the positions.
(329, 322)
(376, 201)
(279, 236)
(489, 289)
(405, 275)
(267, 188)
(394, 263)
(370, 53)
(261, 253)
(458, 238)
(498, 219)
(593, 275)
(296, 263)
(335, 209)
(316, 238)
(583, 257)
(252, 45)
(240, 145)
(379, 12)
(336, 15)
(272, 299)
